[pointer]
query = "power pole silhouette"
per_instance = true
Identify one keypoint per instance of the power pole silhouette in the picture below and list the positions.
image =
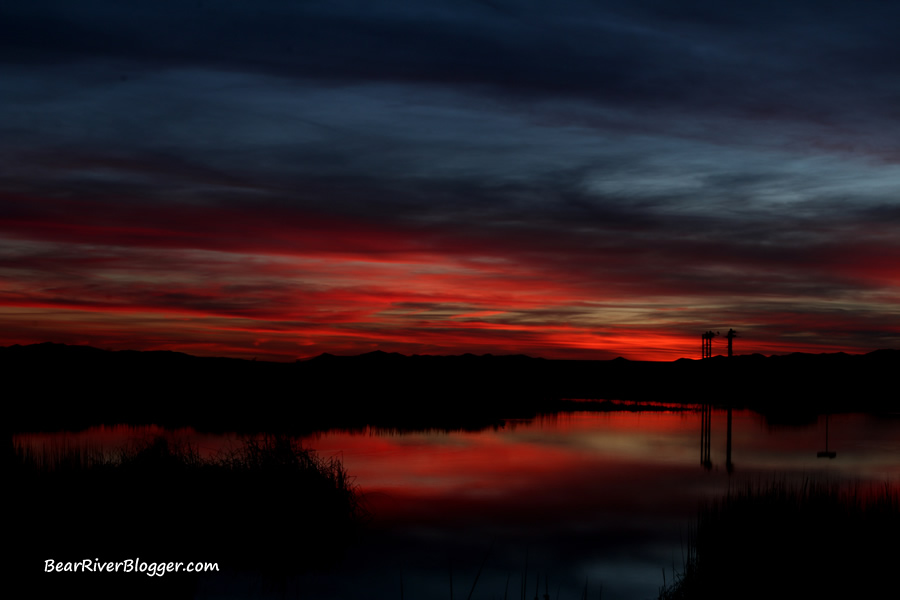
(706, 339)
(730, 335)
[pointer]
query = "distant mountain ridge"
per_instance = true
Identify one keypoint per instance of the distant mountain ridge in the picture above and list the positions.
(57, 385)
(50, 347)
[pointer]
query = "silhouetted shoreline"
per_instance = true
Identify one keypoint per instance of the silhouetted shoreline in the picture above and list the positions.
(49, 384)
(819, 539)
(269, 507)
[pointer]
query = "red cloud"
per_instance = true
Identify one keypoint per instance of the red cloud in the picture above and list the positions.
(286, 283)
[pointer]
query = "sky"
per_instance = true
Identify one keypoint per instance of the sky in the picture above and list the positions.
(577, 179)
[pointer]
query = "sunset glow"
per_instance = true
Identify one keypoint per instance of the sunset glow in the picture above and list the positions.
(569, 182)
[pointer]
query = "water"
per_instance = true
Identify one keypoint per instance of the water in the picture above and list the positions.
(575, 499)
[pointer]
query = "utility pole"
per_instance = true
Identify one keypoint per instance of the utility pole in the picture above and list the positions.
(730, 335)
(706, 338)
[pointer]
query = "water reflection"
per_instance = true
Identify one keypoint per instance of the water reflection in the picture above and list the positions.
(706, 436)
(106, 441)
(602, 497)
(826, 453)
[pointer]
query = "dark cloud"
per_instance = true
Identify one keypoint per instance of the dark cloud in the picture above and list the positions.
(698, 53)
(473, 173)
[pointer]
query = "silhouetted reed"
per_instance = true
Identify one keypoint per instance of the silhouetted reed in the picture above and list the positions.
(57, 456)
(780, 540)
(269, 507)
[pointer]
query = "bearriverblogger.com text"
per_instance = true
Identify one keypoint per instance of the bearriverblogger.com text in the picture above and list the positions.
(131, 565)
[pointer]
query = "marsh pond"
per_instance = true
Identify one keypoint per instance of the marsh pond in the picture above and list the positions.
(559, 504)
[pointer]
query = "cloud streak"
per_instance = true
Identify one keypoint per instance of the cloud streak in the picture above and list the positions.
(448, 177)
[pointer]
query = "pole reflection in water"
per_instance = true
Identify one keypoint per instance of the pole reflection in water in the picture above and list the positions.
(729, 466)
(602, 497)
(825, 453)
(706, 435)
(705, 431)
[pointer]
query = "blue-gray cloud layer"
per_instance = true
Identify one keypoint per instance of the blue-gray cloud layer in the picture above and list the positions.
(665, 148)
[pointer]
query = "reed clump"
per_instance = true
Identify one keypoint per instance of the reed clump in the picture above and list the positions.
(268, 506)
(777, 539)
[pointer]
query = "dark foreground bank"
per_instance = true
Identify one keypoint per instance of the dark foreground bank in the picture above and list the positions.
(779, 540)
(266, 511)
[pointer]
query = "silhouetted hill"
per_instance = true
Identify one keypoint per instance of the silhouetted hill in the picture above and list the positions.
(55, 385)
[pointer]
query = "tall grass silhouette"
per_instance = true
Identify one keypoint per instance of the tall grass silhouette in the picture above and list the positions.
(775, 539)
(269, 507)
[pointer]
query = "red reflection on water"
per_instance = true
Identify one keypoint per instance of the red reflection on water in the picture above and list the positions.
(109, 439)
(608, 460)
(566, 464)
(617, 461)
